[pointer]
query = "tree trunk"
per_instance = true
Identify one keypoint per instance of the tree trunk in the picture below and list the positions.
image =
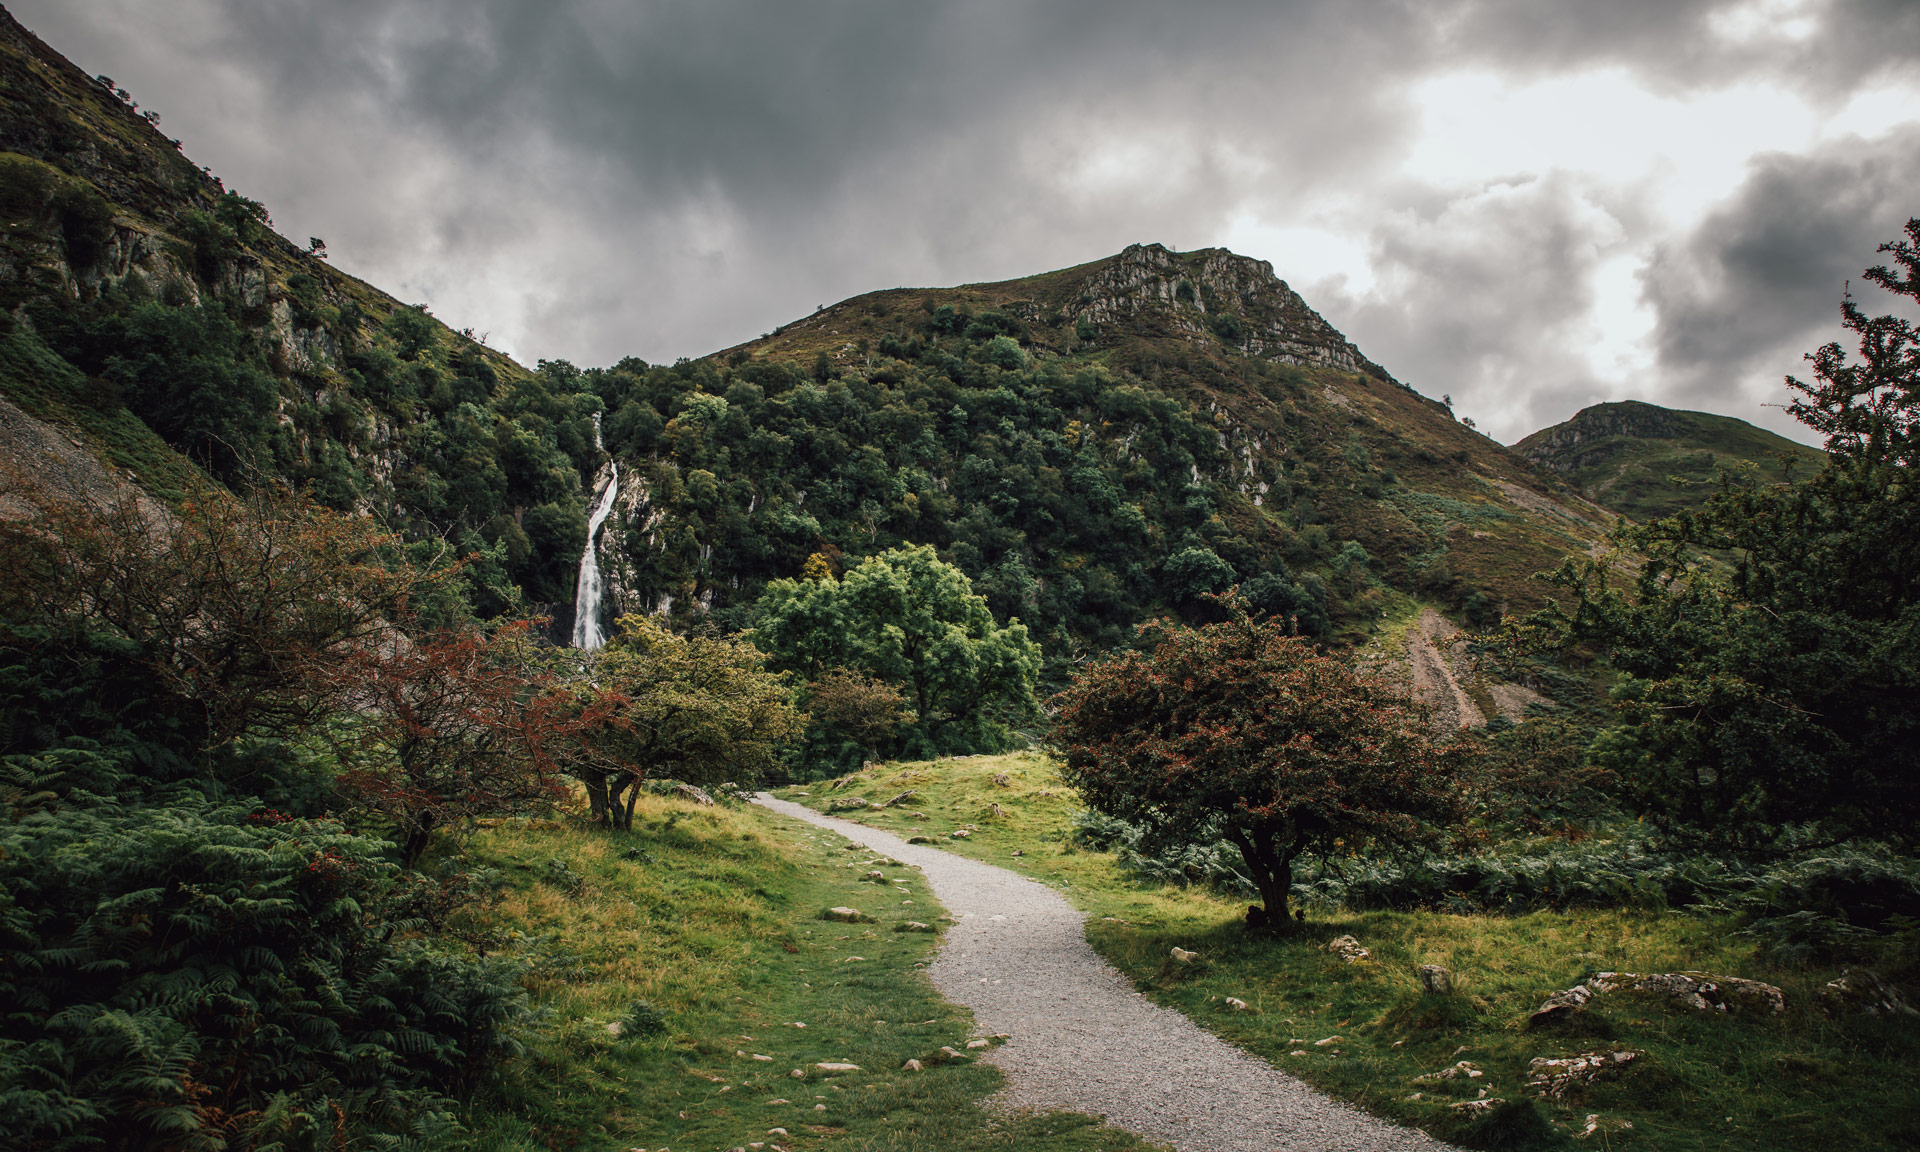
(419, 832)
(1272, 874)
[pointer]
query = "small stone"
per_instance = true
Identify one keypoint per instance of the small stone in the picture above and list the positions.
(1477, 1107)
(921, 840)
(837, 1066)
(959, 834)
(1019, 852)
(846, 915)
(1238, 1005)
(776, 1131)
(763, 1059)
(852, 959)
(900, 799)
(615, 1028)
(913, 926)
(1435, 979)
(1327, 1041)
(1298, 1052)
(797, 1074)
(979, 1043)
(781, 1100)
(847, 804)
(819, 1107)
(1184, 956)
(912, 1066)
(877, 877)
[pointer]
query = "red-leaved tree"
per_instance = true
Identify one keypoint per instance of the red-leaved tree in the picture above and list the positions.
(1240, 731)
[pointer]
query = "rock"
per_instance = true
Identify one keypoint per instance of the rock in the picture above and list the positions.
(1859, 990)
(912, 1066)
(781, 1100)
(1700, 991)
(615, 1028)
(1238, 1005)
(921, 840)
(1477, 1107)
(959, 834)
(1553, 1078)
(836, 1066)
(1327, 1041)
(1184, 956)
(846, 915)
(776, 1131)
(1019, 852)
(979, 1043)
(798, 1074)
(901, 799)
(853, 959)
(1434, 978)
(1596, 1124)
(819, 1107)
(994, 811)
(763, 1059)
(1348, 949)
(918, 815)
(1464, 1070)
(697, 795)
(876, 876)
(914, 926)
(847, 804)
(950, 1053)
(1000, 778)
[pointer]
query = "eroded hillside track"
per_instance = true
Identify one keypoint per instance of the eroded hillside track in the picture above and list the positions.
(1084, 1041)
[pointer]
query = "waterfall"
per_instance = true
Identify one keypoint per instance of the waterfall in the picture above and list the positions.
(586, 591)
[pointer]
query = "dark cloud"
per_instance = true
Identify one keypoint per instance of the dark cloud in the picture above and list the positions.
(1759, 282)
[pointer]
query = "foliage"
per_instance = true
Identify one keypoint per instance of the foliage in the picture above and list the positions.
(852, 718)
(446, 728)
(1780, 687)
(655, 703)
(911, 620)
(1239, 731)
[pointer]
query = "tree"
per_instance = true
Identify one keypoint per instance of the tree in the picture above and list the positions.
(448, 727)
(1239, 731)
(694, 708)
(910, 619)
(848, 710)
(1769, 641)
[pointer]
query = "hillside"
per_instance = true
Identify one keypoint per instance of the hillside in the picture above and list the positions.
(1623, 455)
(1091, 445)
(152, 314)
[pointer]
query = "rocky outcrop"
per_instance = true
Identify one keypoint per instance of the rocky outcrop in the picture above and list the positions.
(1582, 441)
(1699, 991)
(1213, 293)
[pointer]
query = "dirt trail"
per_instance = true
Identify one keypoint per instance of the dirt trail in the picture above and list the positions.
(1084, 1041)
(1431, 652)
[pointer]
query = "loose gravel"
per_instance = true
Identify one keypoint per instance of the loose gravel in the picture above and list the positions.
(1084, 1041)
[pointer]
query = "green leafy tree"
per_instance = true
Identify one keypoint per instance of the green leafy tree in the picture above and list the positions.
(654, 704)
(1771, 641)
(1239, 731)
(912, 620)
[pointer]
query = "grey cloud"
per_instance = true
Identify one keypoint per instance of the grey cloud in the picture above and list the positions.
(1759, 282)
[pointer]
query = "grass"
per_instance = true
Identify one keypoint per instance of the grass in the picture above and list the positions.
(709, 920)
(1707, 1081)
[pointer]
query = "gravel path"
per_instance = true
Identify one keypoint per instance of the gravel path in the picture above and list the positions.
(1085, 1041)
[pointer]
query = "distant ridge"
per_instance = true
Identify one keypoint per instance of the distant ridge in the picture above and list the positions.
(1622, 455)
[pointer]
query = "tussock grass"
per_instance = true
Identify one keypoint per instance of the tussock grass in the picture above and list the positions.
(1707, 1081)
(709, 919)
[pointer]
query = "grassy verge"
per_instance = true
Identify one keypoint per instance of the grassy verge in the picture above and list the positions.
(699, 935)
(1706, 1081)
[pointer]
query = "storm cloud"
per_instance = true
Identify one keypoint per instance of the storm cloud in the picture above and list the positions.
(589, 179)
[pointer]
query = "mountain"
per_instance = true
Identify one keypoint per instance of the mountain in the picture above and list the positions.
(1626, 455)
(1092, 445)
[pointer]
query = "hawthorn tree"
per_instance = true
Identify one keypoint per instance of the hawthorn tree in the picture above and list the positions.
(1240, 731)
(1770, 638)
(655, 703)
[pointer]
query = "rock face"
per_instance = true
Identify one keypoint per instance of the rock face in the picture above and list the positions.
(1214, 293)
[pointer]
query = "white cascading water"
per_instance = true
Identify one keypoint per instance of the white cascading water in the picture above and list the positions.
(586, 591)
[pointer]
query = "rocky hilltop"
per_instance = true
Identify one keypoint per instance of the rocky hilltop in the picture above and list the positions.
(1644, 461)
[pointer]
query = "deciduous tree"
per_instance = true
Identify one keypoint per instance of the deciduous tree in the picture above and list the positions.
(1240, 731)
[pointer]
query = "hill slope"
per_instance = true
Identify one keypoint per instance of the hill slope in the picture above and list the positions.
(1621, 455)
(1091, 445)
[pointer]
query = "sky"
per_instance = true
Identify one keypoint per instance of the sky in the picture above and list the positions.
(1527, 205)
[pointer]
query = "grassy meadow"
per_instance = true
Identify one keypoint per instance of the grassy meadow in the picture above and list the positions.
(699, 936)
(1364, 1031)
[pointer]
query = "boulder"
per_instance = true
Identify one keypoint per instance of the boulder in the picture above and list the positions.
(847, 804)
(1860, 991)
(900, 799)
(1434, 978)
(1348, 949)
(1555, 1077)
(697, 795)
(1700, 991)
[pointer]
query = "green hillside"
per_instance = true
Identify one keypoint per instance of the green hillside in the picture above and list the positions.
(1625, 455)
